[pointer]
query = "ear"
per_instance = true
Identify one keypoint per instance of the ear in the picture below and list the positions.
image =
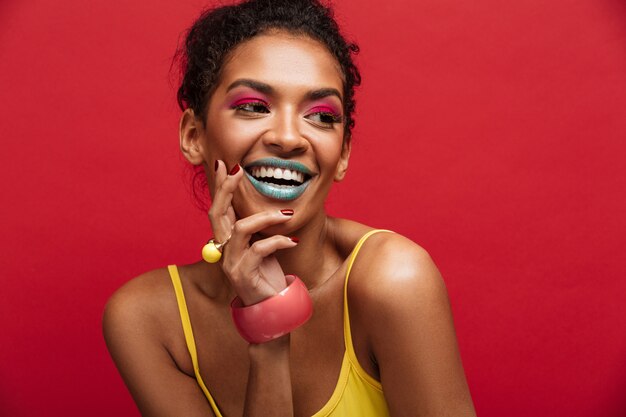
(190, 132)
(342, 166)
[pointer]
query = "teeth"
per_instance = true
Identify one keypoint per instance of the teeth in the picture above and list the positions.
(278, 173)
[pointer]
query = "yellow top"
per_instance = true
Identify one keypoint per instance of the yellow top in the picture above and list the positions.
(356, 392)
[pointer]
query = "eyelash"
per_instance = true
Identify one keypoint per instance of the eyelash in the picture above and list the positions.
(325, 116)
(334, 118)
(255, 106)
(252, 106)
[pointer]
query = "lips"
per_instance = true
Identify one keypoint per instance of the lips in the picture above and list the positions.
(279, 179)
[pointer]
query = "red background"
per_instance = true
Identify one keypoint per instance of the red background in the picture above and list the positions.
(492, 133)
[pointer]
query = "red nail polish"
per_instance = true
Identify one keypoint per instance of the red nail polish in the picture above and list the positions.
(234, 170)
(294, 239)
(287, 212)
(217, 164)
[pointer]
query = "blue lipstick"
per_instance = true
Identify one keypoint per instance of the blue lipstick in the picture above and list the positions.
(277, 191)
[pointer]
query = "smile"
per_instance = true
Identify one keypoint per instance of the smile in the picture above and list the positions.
(279, 178)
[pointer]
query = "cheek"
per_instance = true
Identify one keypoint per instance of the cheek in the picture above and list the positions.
(232, 139)
(328, 152)
(327, 144)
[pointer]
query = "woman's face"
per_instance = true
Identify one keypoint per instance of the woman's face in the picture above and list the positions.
(278, 112)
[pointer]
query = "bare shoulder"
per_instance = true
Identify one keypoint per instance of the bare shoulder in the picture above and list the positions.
(393, 270)
(138, 306)
(403, 316)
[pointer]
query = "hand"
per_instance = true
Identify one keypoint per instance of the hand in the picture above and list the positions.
(252, 269)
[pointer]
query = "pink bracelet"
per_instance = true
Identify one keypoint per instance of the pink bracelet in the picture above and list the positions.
(274, 316)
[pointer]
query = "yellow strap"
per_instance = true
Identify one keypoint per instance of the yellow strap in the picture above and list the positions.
(187, 330)
(347, 333)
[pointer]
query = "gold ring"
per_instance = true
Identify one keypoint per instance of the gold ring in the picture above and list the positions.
(212, 251)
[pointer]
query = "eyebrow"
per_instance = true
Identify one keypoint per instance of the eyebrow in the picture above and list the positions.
(323, 92)
(255, 85)
(269, 90)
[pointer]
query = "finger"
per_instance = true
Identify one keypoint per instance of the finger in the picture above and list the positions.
(220, 172)
(225, 185)
(221, 213)
(246, 227)
(259, 262)
(263, 248)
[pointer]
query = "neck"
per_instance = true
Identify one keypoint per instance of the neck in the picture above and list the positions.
(315, 258)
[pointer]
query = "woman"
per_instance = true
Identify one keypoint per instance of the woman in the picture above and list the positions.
(267, 94)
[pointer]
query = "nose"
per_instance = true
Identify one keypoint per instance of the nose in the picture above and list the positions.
(284, 135)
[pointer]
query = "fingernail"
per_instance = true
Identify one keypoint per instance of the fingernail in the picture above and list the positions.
(234, 170)
(217, 164)
(294, 239)
(287, 212)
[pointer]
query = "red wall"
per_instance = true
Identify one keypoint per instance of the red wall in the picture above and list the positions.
(490, 132)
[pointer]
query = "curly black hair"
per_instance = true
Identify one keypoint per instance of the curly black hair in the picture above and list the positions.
(219, 30)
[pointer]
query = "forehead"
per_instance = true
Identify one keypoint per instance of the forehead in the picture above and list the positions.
(284, 60)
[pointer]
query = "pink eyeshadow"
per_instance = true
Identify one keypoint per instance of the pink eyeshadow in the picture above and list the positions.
(244, 99)
(326, 105)
(325, 108)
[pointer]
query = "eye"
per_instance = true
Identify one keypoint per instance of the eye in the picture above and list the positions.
(251, 106)
(324, 116)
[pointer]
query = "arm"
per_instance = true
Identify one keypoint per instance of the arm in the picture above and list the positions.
(269, 380)
(411, 333)
(255, 274)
